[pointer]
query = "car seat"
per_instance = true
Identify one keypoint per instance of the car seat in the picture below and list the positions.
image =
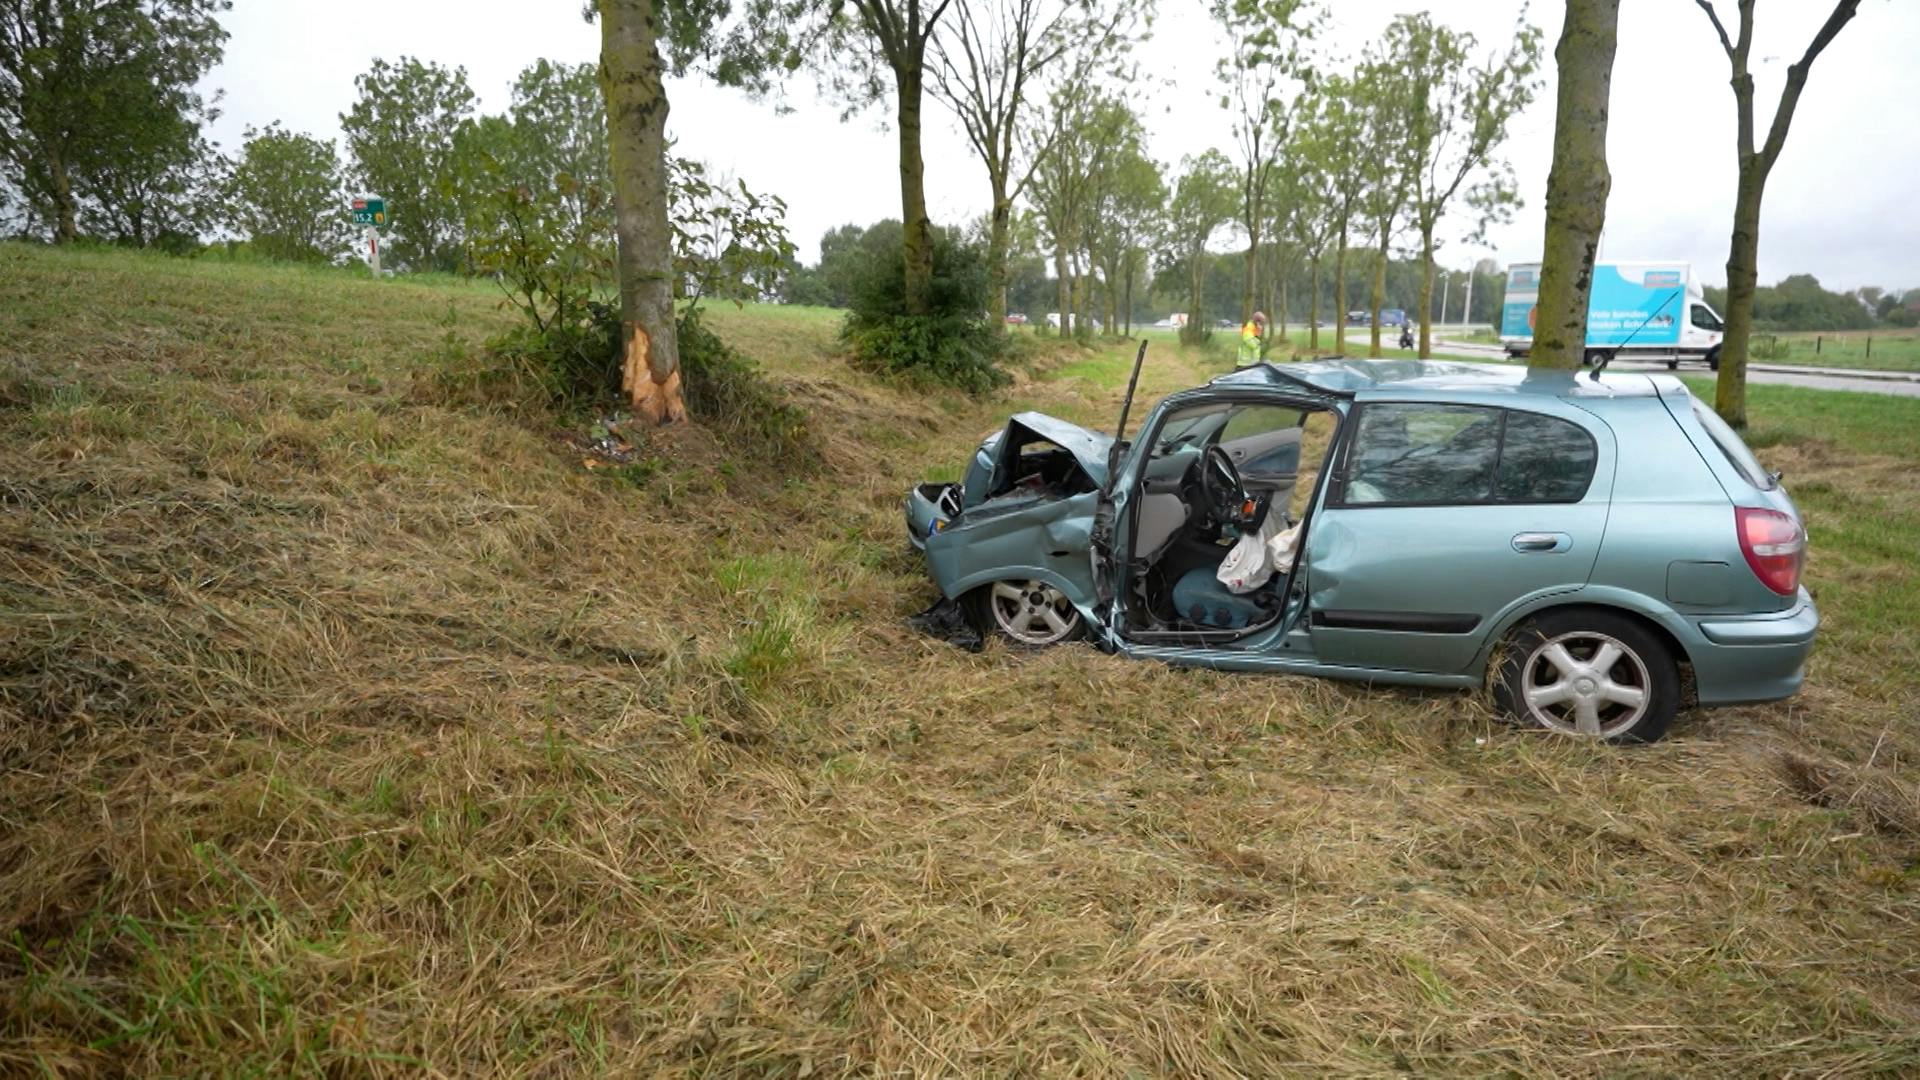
(1201, 599)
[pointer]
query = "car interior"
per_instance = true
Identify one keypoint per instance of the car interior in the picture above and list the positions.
(1216, 472)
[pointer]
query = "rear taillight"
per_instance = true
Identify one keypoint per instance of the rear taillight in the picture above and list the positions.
(1775, 547)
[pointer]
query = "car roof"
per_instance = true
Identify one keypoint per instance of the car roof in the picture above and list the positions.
(1341, 377)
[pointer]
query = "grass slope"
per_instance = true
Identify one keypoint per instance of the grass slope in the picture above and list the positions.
(348, 730)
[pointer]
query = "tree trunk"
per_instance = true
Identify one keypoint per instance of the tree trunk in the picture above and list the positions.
(1112, 302)
(918, 230)
(1426, 292)
(1129, 296)
(1379, 297)
(1063, 290)
(1577, 185)
(999, 239)
(65, 230)
(1730, 390)
(1340, 293)
(1285, 343)
(1196, 329)
(1743, 260)
(630, 73)
(1313, 310)
(1248, 284)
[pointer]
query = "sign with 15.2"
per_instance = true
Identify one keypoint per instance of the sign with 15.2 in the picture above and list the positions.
(371, 210)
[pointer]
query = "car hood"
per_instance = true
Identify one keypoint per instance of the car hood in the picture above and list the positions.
(1089, 448)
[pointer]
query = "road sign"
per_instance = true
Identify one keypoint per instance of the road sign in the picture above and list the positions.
(371, 210)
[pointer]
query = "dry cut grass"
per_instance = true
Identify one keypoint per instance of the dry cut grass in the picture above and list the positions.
(349, 732)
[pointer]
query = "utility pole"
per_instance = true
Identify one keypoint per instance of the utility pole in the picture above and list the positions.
(1466, 313)
(1446, 287)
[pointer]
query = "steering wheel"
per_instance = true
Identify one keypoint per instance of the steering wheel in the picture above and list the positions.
(1220, 482)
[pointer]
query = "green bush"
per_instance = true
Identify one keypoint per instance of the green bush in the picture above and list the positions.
(951, 344)
(728, 393)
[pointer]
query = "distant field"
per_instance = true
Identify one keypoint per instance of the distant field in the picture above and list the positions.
(1875, 350)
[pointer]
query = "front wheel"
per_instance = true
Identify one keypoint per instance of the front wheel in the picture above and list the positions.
(1713, 359)
(1591, 674)
(1032, 614)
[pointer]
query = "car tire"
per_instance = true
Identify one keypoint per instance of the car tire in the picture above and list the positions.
(1592, 357)
(1015, 611)
(1713, 359)
(1548, 677)
(1673, 365)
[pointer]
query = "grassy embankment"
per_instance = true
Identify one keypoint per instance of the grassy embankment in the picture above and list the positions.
(348, 728)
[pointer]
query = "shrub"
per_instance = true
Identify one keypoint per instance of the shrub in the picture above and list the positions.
(951, 344)
(728, 392)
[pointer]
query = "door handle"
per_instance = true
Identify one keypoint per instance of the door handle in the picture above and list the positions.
(1528, 543)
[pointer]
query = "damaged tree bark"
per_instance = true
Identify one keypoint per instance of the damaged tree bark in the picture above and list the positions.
(630, 77)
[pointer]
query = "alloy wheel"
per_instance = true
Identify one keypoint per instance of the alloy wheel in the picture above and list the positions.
(1585, 683)
(1033, 612)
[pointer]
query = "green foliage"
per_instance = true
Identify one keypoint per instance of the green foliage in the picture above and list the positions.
(1460, 115)
(729, 394)
(100, 118)
(727, 241)
(560, 129)
(286, 193)
(1204, 199)
(829, 282)
(403, 135)
(952, 344)
(1800, 302)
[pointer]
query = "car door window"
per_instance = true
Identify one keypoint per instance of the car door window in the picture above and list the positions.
(1544, 459)
(1414, 454)
(1705, 319)
(1264, 443)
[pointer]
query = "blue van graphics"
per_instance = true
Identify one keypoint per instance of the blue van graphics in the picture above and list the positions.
(1516, 319)
(1645, 312)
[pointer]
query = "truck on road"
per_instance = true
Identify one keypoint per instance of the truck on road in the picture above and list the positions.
(1636, 311)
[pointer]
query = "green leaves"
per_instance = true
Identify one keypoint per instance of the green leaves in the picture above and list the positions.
(404, 136)
(286, 193)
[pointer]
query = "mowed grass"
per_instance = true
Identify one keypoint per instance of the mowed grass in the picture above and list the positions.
(350, 727)
(1882, 349)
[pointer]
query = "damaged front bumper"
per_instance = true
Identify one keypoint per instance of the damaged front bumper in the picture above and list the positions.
(929, 508)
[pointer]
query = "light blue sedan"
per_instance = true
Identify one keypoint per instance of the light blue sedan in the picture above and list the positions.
(1604, 549)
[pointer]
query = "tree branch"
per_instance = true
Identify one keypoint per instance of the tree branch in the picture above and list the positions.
(1725, 42)
(1843, 12)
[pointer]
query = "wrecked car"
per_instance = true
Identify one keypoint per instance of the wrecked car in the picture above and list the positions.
(1600, 548)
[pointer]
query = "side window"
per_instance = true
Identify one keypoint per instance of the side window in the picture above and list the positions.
(1544, 459)
(1418, 453)
(1704, 319)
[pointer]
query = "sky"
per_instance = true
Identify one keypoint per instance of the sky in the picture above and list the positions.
(1840, 204)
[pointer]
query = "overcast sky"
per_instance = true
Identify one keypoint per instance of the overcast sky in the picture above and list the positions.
(1841, 203)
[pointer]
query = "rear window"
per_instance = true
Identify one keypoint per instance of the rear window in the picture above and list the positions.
(1730, 444)
(1544, 459)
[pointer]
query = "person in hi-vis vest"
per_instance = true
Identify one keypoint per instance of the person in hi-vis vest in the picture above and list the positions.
(1250, 336)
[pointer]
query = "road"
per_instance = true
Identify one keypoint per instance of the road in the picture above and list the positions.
(1899, 383)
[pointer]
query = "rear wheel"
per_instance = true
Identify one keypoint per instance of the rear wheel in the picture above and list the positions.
(1029, 613)
(1590, 674)
(1673, 365)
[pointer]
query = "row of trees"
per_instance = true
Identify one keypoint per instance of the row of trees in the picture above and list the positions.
(1320, 165)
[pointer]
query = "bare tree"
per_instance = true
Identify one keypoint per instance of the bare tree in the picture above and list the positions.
(987, 58)
(1743, 254)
